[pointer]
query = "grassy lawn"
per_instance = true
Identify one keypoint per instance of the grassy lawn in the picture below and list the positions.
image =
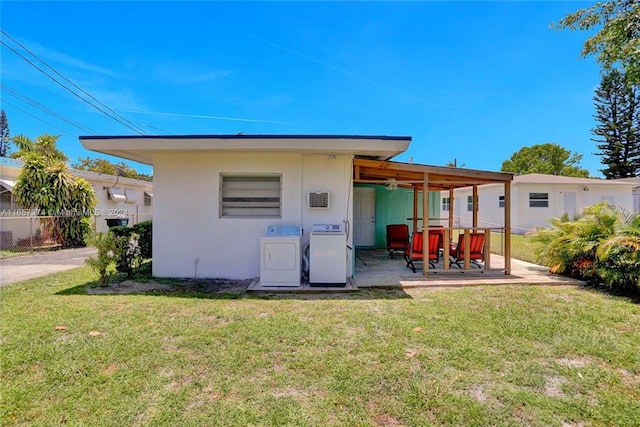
(508, 355)
(521, 247)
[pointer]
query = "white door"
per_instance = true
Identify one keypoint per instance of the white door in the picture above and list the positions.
(570, 204)
(364, 216)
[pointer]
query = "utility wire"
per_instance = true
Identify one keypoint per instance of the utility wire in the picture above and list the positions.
(38, 118)
(32, 102)
(104, 110)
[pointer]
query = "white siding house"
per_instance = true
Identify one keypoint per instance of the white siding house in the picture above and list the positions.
(635, 192)
(536, 198)
(118, 197)
(202, 229)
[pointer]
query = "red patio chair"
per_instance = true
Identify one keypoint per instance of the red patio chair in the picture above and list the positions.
(397, 238)
(414, 254)
(476, 250)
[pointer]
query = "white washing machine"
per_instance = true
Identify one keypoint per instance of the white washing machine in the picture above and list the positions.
(280, 256)
(328, 255)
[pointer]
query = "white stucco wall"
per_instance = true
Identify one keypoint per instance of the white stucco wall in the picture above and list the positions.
(524, 217)
(191, 239)
(105, 208)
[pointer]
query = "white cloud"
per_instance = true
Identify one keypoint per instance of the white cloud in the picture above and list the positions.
(183, 73)
(51, 55)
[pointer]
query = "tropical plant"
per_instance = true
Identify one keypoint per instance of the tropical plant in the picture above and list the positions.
(618, 257)
(47, 186)
(103, 264)
(603, 245)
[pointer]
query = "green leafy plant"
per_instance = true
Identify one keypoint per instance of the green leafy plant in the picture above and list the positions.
(47, 185)
(602, 246)
(127, 251)
(143, 229)
(103, 264)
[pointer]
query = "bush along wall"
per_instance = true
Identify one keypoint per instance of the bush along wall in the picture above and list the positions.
(132, 246)
(602, 246)
(143, 230)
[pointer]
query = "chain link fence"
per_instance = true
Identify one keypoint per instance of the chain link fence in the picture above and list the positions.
(22, 232)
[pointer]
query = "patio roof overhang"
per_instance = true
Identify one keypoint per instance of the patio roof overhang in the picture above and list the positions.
(411, 175)
(438, 178)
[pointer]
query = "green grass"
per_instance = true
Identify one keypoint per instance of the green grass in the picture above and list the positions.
(521, 247)
(13, 253)
(511, 355)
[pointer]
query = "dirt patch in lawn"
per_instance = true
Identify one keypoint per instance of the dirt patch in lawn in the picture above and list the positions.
(189, 285)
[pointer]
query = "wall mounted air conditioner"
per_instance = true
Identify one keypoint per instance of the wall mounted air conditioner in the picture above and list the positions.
(318, 200)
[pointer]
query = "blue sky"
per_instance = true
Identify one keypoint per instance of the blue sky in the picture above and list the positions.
(475, 81)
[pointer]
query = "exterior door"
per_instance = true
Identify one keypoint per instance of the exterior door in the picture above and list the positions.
(570, 203)
(364, 216)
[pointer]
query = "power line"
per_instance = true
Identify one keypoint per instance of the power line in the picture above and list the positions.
(38, 118)
(32, 102)
(105, 110)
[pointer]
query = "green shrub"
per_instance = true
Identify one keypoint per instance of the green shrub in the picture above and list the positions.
(603, 246)
(143, 229)
(103, 263)
(121, 231)
(127, 251)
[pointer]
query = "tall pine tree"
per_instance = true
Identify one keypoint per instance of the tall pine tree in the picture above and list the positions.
(5, 138)
(618, 133)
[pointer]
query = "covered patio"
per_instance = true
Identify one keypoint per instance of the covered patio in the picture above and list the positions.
(374, 269)
(424, 178)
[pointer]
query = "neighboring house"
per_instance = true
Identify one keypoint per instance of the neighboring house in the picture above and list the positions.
(535, 199)
(118, 198)
(635, 192)
(215, 195)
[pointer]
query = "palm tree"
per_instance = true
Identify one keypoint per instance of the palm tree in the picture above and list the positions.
(46, 185)
(602, 245)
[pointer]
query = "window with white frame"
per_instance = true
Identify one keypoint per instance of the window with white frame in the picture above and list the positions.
(501, 201)
(446, 203)
(538, 200)
(250, 196)
(147, 198)
(469, 203)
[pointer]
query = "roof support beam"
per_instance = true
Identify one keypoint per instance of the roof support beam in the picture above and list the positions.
(425, 226)
(507, 227)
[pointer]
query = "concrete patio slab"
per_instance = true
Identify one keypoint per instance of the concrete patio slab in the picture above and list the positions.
(374, 268)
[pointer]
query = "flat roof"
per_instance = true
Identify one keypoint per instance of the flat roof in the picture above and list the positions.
(140, 148)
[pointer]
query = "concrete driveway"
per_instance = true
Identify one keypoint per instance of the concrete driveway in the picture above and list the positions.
(27, 267)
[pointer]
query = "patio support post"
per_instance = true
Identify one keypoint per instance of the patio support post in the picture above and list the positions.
(487, 249)
(415, 207)
(467, 247)
(425, 225)
(507, 227)
(445, 247)
(451, 208)
(475, 208)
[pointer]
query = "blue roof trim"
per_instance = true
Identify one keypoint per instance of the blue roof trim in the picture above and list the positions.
(243, 136)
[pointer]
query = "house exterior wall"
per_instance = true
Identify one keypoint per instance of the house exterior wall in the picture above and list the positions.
(191, 239)
(395, 206)
(524, 217)
(107, 209)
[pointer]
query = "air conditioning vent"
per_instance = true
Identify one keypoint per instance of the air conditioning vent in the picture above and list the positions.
(319, 200)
